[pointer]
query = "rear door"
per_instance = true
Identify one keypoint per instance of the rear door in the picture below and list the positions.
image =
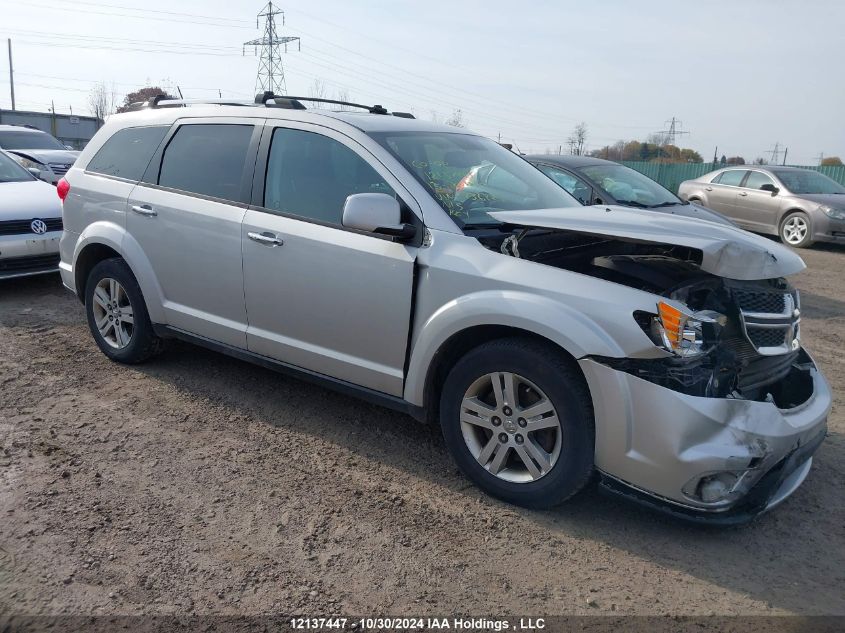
(722, 192)
(758, 209)
(319, 296)
(186, 215)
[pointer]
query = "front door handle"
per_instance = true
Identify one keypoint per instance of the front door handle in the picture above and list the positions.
(265, 238)
(144, 209)
(743, 193)
(708, 189)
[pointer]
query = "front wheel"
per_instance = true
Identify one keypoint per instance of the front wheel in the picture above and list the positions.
(795, 230)
(518, 420)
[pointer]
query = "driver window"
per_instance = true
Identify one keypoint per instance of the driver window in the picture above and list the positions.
(757, 179)
(311, 175)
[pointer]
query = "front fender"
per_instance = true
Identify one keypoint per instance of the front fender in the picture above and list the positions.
(552, 320)
(116, 237)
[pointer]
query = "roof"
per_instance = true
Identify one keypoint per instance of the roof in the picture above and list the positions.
(20, 128)
(568, 160)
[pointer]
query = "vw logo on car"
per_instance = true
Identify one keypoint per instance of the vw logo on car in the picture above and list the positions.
(38, 226)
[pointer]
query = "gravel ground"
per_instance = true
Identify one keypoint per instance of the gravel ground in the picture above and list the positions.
(199, 484)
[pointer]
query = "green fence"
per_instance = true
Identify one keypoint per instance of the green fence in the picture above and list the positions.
(671, 175)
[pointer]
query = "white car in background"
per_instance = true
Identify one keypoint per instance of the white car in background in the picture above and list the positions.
(30, 222)
(42, 154)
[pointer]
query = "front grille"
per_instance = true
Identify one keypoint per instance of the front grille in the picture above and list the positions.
(22, 227)
(767, 337)
(59, 169)
(770, 318)
(752, 301)
(26, 264)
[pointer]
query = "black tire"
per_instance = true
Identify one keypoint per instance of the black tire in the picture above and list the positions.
(555, 374)
(800, 216)
(143, 343)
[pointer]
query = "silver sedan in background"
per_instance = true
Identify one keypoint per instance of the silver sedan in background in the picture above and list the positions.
(800, 206)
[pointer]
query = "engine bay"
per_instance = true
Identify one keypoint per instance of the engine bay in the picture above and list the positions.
(752, 352)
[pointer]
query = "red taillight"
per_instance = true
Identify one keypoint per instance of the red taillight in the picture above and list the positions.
(63, 188)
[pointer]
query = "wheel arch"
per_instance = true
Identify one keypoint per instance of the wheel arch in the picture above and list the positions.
(460, 343)
(104, 240)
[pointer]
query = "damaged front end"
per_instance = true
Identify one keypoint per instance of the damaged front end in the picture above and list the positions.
(722, 422)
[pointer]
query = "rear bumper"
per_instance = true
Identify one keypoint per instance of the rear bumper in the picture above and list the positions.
(29, 254)
(657, 446)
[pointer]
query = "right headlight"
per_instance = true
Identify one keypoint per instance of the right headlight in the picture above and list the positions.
(680, 330)
(832, 212)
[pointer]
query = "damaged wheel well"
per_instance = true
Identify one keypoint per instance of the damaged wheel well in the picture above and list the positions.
(456, 346)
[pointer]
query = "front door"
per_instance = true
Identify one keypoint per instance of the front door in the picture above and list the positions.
(187, 220)
(319, 296)
(757, 209)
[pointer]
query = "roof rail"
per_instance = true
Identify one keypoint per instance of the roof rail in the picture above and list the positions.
(166, 101)
(263, 98)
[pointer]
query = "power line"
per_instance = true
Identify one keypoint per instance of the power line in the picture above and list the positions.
(271, 72)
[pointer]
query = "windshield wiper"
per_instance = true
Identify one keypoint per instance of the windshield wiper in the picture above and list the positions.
(665, 204)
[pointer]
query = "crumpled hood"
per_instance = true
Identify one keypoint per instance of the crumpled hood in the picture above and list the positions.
(726, 251)
(28, 200)
(45, 156)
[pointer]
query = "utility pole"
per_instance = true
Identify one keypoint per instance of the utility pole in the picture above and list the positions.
(785, 152)
(715, 155)
(821, 158)
(271, 73)
(11, 72)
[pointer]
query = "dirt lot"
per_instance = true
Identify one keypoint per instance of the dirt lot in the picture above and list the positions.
(201, 484)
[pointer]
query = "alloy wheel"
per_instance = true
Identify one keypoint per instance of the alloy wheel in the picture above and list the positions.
(113, 313)
(511, 427)
(795, 230)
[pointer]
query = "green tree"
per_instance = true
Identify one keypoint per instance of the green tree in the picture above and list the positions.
(142, 94)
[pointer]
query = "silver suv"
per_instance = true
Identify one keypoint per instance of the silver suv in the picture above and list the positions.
(552, 342)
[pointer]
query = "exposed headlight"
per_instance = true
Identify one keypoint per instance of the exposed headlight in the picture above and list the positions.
(833, 212)
(680, 330)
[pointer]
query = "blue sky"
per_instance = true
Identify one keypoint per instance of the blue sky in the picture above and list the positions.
(740, 75)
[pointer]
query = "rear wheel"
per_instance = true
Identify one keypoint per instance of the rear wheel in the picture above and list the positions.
(518, 420)
(795, 230)
(117, 314)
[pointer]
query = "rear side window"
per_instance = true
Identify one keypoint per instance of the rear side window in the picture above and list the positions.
(311, 175)
(732, 177)
(757, 179)
(207, 159)
(127, 153)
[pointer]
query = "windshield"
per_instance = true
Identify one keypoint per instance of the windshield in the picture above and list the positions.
(628, 186)
(28, 140)
(11, 171)
(471, 176)
(807, 181)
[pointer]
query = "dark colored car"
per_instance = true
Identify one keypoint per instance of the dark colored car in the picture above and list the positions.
(597, 181)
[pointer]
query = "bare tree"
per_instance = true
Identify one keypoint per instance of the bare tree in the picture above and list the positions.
(343, 95)
(318, 91)
(578, 140)
(102, 101)
(457, 118)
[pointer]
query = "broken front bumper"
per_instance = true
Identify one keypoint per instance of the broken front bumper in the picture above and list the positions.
(660, 446)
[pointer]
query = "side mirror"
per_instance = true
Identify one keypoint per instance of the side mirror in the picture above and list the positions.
(598, 201)
(376, 213)
(770, 188)
(34, 171)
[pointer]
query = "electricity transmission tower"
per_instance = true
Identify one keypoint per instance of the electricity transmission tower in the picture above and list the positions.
(775, 153)
(271, 73)
(673, 131)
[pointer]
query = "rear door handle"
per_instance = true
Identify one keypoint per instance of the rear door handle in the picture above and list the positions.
(144, 209)
(743, 193)
(265, 238)
(708, 189)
